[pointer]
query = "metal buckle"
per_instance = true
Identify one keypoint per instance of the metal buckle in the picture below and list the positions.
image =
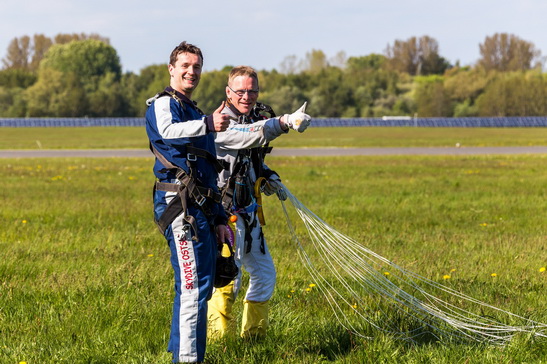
(191, 157)
(201, 201)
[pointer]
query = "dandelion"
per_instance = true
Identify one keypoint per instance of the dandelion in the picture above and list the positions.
(494, 274)
(292, 290)
(311, 285)
(484, 224)
(150, 255)
(22, 362)
(386, 273)
(57, 178)
(308, 289)
(452, 270)
(289, 296)
(24, 221)
(542, 269)
(354, 305)
(446, 276)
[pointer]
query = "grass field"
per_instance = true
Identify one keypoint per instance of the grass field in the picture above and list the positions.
(85, 276)
(132, 137)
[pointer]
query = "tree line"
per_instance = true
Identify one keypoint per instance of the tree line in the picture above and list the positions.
(80, 75)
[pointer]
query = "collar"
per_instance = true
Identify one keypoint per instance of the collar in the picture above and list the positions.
(185, 99)
(241, 118)
(182, 98)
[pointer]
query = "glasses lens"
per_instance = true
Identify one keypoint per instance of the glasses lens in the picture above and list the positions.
(241, 93)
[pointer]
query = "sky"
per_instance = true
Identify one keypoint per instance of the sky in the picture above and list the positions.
(263, 33)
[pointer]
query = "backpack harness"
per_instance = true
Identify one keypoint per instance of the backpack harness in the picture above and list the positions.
(190, 188)
(238, 194)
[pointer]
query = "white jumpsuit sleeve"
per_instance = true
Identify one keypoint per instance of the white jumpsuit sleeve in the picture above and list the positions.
(244, 136)
(170, 130)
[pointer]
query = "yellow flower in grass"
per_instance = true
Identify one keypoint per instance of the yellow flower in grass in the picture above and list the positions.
(24, 221)
(452, 270)
(494, 274)
(354, 305)
(484, 224)
(386, 273)
(446, 276)
(150, 255)
(308, 289)
(542, 269)
(311, 285)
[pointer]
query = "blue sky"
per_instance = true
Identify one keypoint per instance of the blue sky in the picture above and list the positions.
(262, 33)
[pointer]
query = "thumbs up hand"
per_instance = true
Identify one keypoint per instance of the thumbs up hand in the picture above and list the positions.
(220, 121)
(298, 120)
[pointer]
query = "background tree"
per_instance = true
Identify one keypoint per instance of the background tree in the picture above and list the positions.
(19, 51)
(212, 89)
(88, 59)
(283, 92)
(56, 94)
(507, 52)
(373, 85)
(515, 94)
(338, 60)
(431, 97)
(64, 38)
(463, 86)
(16, 78)
(40, 46)
(314, 62)
(329, 95)
(416, 56)
(84, 77)
(289, 65)
(108, 99)
(27, 53)
(80, 75)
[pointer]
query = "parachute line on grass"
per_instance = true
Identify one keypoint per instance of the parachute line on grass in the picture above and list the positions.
(367, 291)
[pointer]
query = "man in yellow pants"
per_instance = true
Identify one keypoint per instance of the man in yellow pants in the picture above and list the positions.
(243, 146)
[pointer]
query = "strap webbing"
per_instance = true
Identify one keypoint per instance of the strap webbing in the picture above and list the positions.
(185, 190)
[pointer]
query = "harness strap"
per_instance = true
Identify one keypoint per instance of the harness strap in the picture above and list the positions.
(177, 205)
(258, 197)
(202, 153)
(187, 188)
(208, 193)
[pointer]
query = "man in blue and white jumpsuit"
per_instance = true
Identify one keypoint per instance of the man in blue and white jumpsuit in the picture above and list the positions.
(241, 146)
(174, 124)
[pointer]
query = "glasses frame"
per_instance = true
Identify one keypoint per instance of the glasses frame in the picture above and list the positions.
(241, 93)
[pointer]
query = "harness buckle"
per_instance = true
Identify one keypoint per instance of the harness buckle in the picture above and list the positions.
(201, 200)
(191, 157)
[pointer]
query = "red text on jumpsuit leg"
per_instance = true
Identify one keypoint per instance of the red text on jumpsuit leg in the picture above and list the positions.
(187, 264)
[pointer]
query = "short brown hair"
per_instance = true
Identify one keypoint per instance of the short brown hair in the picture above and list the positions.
(243, 71)
(184, 48)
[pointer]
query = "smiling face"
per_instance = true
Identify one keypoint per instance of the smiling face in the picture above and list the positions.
(242, 91)
(186, 73)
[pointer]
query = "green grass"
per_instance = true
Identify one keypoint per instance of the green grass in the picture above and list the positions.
(85, 276)
(133, 137)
